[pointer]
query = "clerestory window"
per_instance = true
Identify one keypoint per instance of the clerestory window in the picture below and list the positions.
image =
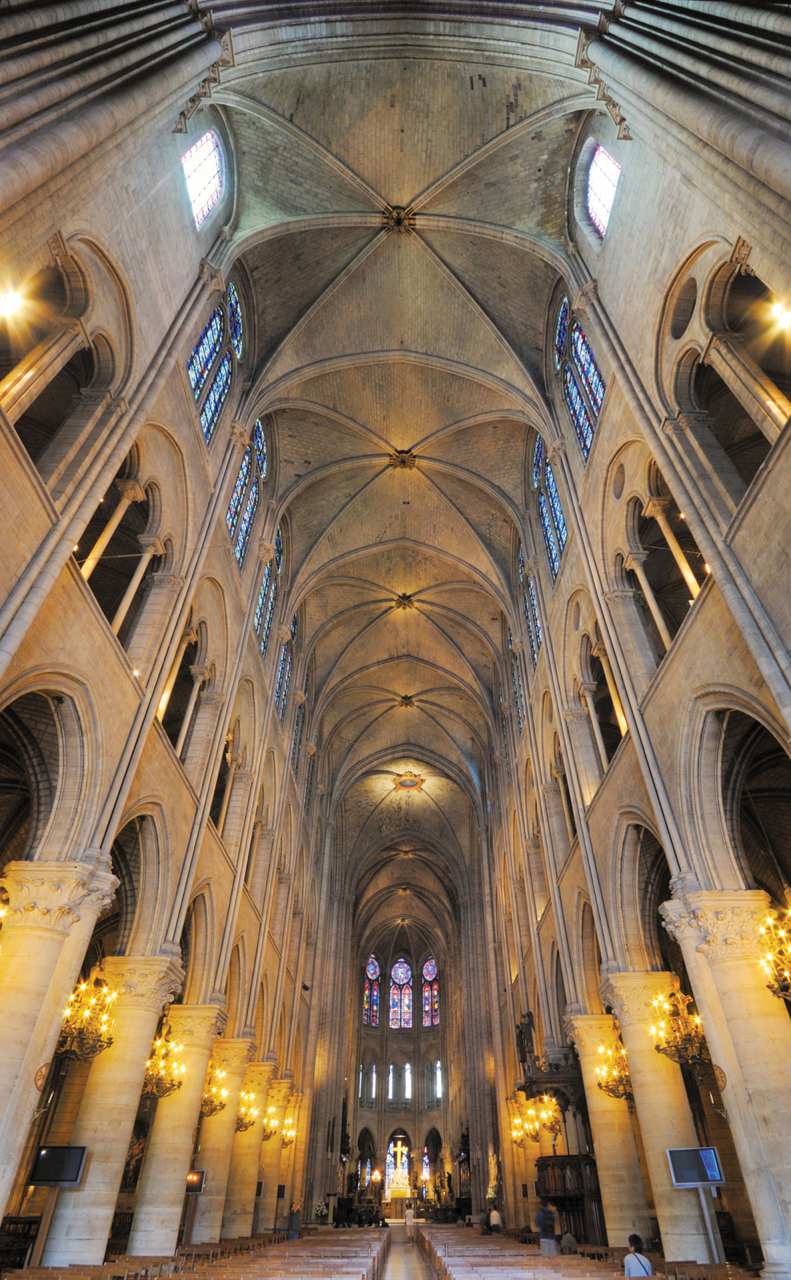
(212, 364)
(550, 509)
(603, 176)
(204, 171)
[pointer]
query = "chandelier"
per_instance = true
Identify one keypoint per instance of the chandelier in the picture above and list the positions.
(613, 1073)
(247, 1113)
(289, 1133)
(88, 1025)
(163, 1069)
(678, 1034)
(270, 1124)
(518, 1133)
(776, 963)
(214, 1097)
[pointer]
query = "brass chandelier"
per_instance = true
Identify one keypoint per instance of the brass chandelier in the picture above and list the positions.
(246, 1116)
(214, 1096)
(776, 961)
(270, 1124)
(679, 1034)
(613, 1072)
(289, 1132)
(164, 1071)
(88, 1025)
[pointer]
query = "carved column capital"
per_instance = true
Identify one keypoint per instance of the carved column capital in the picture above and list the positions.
(283, 633)
(232, 1056)
(635, 560)
(239, 436)
(211, 275)
(631, 995)
(131, 490)
(556, 449)
(585, 296)
(721, 925)
(280, 1093)
(54, 895)
(656, 507)
(151, 545)
(257, 1080)
(587, 1031)
(265, 549)
(310, 748)
(196, 1026)
(142, 982)
(299, 698)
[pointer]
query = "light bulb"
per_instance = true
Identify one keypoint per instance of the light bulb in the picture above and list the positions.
(10, 302)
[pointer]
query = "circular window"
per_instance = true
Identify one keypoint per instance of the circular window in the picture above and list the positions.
(619, 481)
(683, 308)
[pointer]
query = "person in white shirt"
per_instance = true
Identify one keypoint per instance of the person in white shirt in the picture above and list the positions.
(409, 1222)
(495, 1221)
(635, 1264)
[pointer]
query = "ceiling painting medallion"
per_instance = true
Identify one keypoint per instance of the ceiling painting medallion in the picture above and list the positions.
(408, 781)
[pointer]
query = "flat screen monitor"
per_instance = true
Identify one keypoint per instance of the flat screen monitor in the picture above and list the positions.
(695, 1167)
(58, 1166)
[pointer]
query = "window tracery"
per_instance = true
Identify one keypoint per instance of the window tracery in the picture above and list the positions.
(246, 524)
(235, 322)
(400, 996)
(238, 492)
(587, 368)
(205, 351)
(430, 993)
(204, 172)
(216, 338)
(603, 176)
(582, 383)
(550, 513)
(371, 993)
(215, 397)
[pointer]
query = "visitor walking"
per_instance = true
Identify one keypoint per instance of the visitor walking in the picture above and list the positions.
(409, 1223)
(545, 1221)
(293, 1221)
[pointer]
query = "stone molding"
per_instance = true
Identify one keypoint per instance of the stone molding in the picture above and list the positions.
(130, 489)
(257, 1079)
(266, 550)
(196, 1026)
(631, 995)
(283, 633)
(210, 274)
(142, 982)
(722, 925)
(55, 895)
(232, 1056)
(309, 748)
(587, 1031)
(556, 449)
(584, 296)
(239, 436)
(280, 1093)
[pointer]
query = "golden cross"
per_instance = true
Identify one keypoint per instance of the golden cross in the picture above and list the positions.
(399, 1150)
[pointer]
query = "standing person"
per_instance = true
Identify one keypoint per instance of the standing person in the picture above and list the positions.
(409, 1222)
(293, 1221)
(635, 1264)
(545, 1221)
(495, 1221)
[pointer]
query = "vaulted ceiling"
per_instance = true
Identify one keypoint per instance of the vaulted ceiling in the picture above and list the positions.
(403, 374)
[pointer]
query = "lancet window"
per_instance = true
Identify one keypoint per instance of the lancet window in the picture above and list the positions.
(371, 993)
(299, 727)
(284, 669)
(530, 606)
(204, 172)
(516, 681)
(581, 378)
(430, 993)
(550, 510)
(603, 176)
(400, 996)
(267, 595)
(243, 505)
(212, 362)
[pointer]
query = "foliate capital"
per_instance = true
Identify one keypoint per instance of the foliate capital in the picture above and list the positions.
(232, 1056)
(556, 449)
(585, 296)
(211, 275)
(55, 895)
(131, 490)
(283, 634)
(721, 925)
(143, 982)
(280, 1093)
(265, 550)
(631, 996)
(239, 435)
(587, 1031)
(196, 1026)
(257, 1079)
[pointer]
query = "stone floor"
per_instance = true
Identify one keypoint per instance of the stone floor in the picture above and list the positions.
(405, 1261)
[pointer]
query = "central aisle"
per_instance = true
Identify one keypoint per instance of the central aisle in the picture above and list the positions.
(404, 1261)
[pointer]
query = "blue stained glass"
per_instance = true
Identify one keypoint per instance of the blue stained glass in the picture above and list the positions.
(259, 444)
(530, 636)
(262, 594)
(308, 795)
(538, 460)
(294, 629)
(279, 548)
(430, 969)
(286, 684)
(521, 563)
(401, 972)
(204, 353)
(516, 680)
(549, 541)
(235, 321)
(531, 594)
(299, 729)
(557, 510)
(435, 1003)
(215, 397)
(246, 524)
(561, 330)
(270, 613)
(366, 1019)
(406, 1006)
(374, 1001)
(372, 968)
(587, 367)
(426, 1004)
(281, 667)
(237, 496)
(395, 1007)
(579, 414)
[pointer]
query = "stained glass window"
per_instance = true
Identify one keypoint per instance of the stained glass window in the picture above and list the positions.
(259, 444)
(561, 330)
(308, 795)
(281, 668)
(262, 594)
(237, 496)
(294, 629)
(426, 1166)
(296, 745)
(438, 1079)
(215, 397)
(603, 178)
(579, 414)
(538, 461)
(204, 353)
(372, 968)
(430, 969)
(549, 541)
(400, 995)
(268, 617)
(373, 1091)
(286, 683)
(374, 1004)
(521, 563)
(587, 367)
(407, 1082)
(516, 680)
(531, 618)
(557, 510)
(235, 321)
(430, 993)
(426, 1004)
(366, 1019)
(246, 524)
(435, 1002)
(531, 593)
(279, 548)
(205, 174)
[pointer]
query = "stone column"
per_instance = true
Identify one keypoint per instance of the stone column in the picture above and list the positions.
(161, 1190)
(237, 1218)
(269, 1165)
(50, 916)
(83, 1216)
(749, 1037)
(662, 1109)
(216, 1140)
(617, 1161)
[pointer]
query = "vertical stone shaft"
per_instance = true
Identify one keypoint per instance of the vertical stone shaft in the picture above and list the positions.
(216, 1140)
(237, 1218)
